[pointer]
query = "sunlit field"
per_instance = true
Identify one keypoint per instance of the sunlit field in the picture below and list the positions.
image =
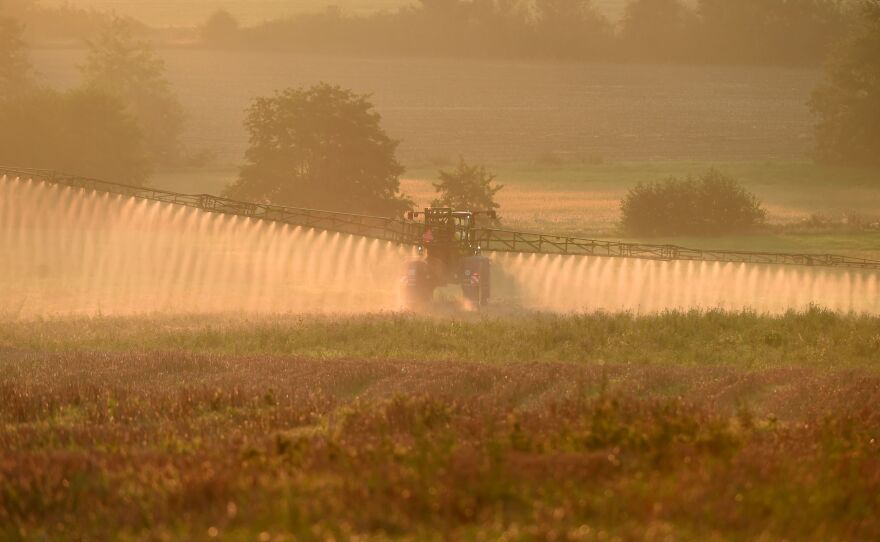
(386, 427)
(814, 338)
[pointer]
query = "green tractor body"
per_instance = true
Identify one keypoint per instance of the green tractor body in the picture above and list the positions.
(448, 254)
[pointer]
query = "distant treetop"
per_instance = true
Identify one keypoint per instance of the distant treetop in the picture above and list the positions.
(784, 32)
(220, 30)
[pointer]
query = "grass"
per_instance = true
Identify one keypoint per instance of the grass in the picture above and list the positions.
(181, 428)
(814, 338)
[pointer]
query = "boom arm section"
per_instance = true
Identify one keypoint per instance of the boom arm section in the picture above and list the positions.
(536, 243)
(375, 227)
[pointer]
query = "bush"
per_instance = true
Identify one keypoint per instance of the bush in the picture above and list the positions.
(709, 204)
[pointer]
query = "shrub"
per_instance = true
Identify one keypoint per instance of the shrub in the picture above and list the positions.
(709, 204)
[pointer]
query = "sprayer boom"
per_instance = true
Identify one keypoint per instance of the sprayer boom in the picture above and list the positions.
(410, 232)
(536, 243)
(374, 227)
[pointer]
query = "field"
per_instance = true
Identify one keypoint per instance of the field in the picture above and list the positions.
(387, 427)
(505, 111)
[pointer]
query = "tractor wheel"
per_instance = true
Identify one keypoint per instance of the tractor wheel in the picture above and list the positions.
(418, 287)
(476, 280)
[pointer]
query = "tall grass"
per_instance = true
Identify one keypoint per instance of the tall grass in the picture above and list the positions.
(180, 446)
(683, 426)
(814, 337)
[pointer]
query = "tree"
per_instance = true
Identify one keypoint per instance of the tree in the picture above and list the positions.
(571, 29)
(221, 29)
(82, 131)
(769, 31)
(656, 30)
(14, 64)
(320, 147)
(848, 103)
(711, 203)
(130, 71)
(467, 187)
(56, 22)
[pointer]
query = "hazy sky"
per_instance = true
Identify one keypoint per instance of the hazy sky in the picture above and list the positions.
(189, 12)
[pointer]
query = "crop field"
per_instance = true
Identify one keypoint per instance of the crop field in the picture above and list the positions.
(505, 111)
(389, 427)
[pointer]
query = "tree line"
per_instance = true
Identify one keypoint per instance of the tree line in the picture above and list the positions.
(788, 32)
(57, 23)
(120, 122)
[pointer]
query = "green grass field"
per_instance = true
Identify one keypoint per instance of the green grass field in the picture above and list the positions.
(815, 338)
(388, 427)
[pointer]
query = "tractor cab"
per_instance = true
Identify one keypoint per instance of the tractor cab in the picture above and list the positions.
(449, 254)
(447, 233)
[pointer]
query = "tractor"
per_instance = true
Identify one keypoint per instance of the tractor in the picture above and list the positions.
(449, 253)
